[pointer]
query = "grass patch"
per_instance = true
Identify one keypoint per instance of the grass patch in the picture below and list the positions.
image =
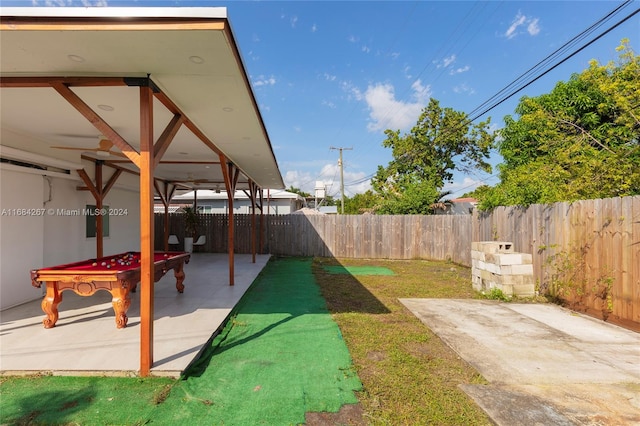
(409, 375)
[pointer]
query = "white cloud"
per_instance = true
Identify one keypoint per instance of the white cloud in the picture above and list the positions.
(421, 93)
(532, 26)
(329, 175)
(352, 180)
(329, 104)
(298, 180)
(365, 49)
(293, 21)
(463, 88)
(264, 81)
(517, 21)
(314, 28)
(459, 70)
(445, 62)
(448, 61)
(386, 112)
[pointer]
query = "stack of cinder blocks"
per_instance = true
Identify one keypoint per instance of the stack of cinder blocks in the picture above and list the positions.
(494, 264)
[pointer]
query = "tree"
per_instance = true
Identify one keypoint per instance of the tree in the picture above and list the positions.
(442, 141)
(298, 191)
(361, 203)
(580, 141)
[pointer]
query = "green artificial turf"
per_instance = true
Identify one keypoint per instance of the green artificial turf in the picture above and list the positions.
(280, 356)
(59, 400)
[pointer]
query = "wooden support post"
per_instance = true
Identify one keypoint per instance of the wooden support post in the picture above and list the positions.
(166, 227)
(163, 193)
(99, 217)
(99, 192)
(146, 231)
(231, 174)
(253, 189)
(261, 234)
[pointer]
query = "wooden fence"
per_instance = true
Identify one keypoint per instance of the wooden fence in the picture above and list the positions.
(586, 252)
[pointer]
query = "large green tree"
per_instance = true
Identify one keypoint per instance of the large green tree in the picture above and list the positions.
(361, 203)
(581, 141)
(424, 159)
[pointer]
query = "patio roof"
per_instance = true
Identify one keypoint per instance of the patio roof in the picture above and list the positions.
(157, 91)
(189, 57)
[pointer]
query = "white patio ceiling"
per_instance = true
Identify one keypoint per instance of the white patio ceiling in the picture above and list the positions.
(189, 54)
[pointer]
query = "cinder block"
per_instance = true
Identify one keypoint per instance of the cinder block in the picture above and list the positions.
(524, 290)
(492, 246)
(493, 268)
(508, 258)
(475, 254)
(486, 275)
(522, 269)
(517, 279)
(506, 289)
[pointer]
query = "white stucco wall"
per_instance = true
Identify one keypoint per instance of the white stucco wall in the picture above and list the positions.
(29, 242)
(20, 236)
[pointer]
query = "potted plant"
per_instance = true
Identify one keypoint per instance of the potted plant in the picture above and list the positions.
(190, 227)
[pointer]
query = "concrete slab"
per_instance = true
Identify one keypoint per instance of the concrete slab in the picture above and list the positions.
(545, 364)
(85, 340)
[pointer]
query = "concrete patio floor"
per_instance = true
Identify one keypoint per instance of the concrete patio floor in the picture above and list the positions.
(85, 340)
(545, 365)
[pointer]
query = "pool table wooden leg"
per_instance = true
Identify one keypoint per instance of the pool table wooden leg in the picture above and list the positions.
(50, 304)
(178, 272)
(120, 301)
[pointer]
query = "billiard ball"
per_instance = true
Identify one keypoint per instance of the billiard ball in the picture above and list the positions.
(94, 264)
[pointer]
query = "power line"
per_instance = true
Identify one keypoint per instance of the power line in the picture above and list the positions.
(545, 72)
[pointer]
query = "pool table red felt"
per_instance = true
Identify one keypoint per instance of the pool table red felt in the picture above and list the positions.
(118, 274)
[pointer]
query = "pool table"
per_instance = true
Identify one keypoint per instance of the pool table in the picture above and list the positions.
(118, 274)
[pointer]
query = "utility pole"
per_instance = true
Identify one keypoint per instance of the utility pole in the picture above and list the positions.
(341, 164)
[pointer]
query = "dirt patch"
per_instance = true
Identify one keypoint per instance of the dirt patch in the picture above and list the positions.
(376, 355)
(349, 414)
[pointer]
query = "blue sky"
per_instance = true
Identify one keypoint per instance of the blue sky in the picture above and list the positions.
(338, 73)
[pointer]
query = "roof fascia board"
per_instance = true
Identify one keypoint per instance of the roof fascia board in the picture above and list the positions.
(116, 12)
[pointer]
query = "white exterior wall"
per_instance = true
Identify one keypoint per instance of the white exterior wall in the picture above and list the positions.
(29, 242)
(20, 236)
(277, 206)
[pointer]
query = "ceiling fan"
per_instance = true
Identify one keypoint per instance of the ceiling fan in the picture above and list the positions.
(195, 182)
(103, 149)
